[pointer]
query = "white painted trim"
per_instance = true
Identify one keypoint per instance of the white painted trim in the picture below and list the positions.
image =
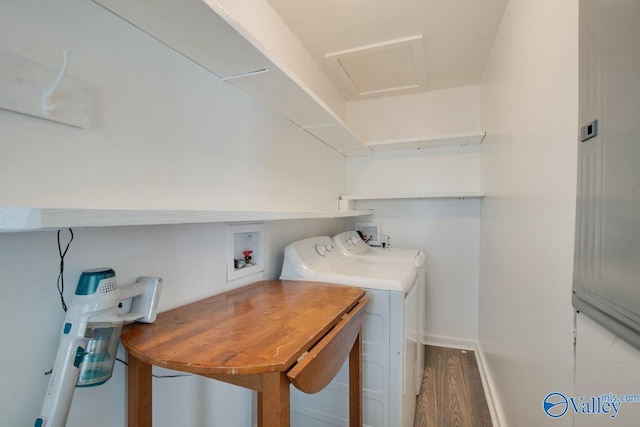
(441, 341)
(488, 385)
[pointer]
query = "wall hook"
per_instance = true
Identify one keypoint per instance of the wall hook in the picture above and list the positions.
(47, 106)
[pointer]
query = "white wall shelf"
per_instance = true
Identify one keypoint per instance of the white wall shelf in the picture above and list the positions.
(14, 219)
(348, 201)
(466, 138)
(210, 37)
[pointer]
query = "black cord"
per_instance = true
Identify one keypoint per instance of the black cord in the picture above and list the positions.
(153, 375)
(157, 376)
(61, 275)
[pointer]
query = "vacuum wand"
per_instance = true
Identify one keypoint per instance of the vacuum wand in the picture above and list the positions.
(91, 335)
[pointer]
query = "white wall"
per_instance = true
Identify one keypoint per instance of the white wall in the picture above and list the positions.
(431, 170)
(527, 166)
(191, 259)
(605, 364)
(526, 322)
(447, 231)
(422, 114)
(165, 133)
(530, 110)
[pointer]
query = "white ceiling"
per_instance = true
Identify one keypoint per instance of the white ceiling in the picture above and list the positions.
(457, 36)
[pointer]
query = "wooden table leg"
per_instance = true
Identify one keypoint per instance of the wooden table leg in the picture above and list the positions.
(273, 401)
(355, 383)
(139, 386)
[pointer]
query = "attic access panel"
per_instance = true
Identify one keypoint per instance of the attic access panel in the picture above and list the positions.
(381, 68)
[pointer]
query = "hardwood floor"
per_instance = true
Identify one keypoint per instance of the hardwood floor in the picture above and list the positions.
(452, 393)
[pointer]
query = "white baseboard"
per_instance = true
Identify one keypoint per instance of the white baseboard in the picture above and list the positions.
(495, 408)
(440, 341)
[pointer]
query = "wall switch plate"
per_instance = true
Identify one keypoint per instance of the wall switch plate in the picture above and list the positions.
(588, 131)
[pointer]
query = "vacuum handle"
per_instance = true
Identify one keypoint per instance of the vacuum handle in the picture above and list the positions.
(145, 293)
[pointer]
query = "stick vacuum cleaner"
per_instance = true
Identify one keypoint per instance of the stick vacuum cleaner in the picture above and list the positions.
(91, 334)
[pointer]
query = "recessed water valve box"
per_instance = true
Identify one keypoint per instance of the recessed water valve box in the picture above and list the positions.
(370, 232)
(245, 250)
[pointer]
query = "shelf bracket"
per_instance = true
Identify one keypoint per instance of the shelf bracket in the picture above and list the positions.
(47, 106)
(346, 205)
(243, 75)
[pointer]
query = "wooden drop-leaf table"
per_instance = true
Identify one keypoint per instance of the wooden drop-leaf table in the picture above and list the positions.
(263, 336)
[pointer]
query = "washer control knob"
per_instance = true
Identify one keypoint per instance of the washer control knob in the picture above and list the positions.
(328, 247)
(354, 240)
(321, 250)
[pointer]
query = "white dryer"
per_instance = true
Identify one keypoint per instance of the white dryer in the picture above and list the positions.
(389, 336)
(351, 244)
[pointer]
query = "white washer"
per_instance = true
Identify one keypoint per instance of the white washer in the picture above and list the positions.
(390, 336)
(351, 244)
